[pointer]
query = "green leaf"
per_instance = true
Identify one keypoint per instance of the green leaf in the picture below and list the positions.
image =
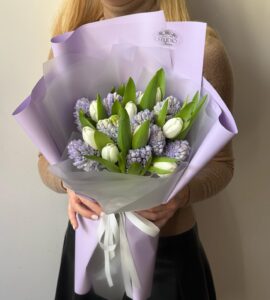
(161, 81)
(135, 168)
(130, 92)
(140, 138)
(85, 120)
(198, 109)
(107, 164)
(164, 159)
(185, 102)
(122, 162)
(101, 139)
(116, 107)
(161, 118)
(101, 112)
(196, 99)
(188, 109)
(124, 131)
(148, 100)
(183, 134)
(158, 171)
(113, 90)
(185, 125)
(186, 112)
(186, 129)
(121, 90)
(147, 166)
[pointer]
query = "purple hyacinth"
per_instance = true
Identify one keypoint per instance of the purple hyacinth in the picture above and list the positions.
(83, 104)
(141, 155)
(141, 117)
(109, 101)
(157, 140)
(179, 149)
(173, 106)
(109, 127)
(76, 150)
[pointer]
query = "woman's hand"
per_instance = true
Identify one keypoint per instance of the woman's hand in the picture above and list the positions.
(162, 213)
(86, 208)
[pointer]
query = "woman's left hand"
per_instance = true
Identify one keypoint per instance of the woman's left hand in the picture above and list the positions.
(162, 213)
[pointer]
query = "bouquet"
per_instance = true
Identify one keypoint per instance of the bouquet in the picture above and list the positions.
(134, 132)
(164, 129)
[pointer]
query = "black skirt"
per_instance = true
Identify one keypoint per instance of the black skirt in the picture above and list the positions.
(182, 270)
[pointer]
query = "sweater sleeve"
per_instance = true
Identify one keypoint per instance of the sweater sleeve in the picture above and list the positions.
(218, 172)
(50, 180)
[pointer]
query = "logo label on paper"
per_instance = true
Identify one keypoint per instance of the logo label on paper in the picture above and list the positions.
(167, 37)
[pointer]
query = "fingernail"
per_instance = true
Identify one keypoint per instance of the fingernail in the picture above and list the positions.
(102, 214)
(94, 217)
(74, 227)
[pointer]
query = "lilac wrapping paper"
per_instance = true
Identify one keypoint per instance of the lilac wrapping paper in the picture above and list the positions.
(111, 51)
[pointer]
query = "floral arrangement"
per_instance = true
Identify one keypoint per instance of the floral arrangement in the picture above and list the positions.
(134, 132)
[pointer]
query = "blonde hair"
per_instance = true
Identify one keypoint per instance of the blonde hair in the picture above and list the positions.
(75, 13)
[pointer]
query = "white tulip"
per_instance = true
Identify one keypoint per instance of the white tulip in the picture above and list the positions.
(158, 95)
(110, 152)
(88, 134)
(131, 109)
(165, 166)
(139, 97)
(173, 127)
(93, 110)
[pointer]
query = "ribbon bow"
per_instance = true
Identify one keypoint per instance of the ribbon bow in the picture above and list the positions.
(111, 231)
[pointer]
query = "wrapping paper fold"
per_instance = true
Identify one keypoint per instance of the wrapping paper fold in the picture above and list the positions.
(92, 59)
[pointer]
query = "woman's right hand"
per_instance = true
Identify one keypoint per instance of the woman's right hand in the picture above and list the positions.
(85, 207)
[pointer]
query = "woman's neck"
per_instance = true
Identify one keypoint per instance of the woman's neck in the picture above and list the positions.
(116, 8)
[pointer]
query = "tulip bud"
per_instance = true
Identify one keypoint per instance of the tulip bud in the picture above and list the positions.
(93, 110)
(114, 119)
(117, 96)
(158, 95)
(131, 109)
(110, 152)
(173, 127)
(88, 134)
(139, 96)
(165, 166)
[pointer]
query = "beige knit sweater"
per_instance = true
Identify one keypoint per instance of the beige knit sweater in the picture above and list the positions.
(216, 175)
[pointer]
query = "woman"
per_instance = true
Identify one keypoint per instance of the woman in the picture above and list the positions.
(182, 270)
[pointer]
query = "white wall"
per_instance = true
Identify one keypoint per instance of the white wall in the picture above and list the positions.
(234, 225)
(33, 218)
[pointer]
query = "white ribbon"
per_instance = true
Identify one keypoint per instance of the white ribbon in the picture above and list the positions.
(110, 233)
(108, 236)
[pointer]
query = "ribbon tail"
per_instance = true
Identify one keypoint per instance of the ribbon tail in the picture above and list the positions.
(143, 240)
(129, 271)
(106, 265)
